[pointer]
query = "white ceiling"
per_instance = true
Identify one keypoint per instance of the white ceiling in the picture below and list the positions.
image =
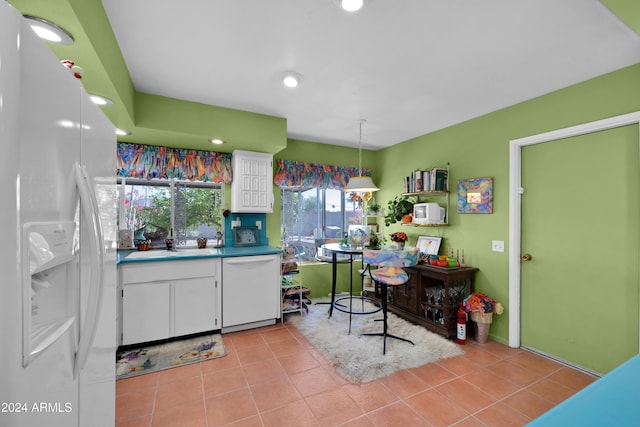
(408, 67)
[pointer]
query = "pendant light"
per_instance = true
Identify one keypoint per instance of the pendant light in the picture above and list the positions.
(360, 184)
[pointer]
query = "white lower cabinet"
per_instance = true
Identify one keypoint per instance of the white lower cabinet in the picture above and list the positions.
(192, 302)
(251, 294)
(167, 299)
(146, 312)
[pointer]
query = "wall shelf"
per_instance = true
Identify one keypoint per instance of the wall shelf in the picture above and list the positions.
(293, 294)
(410, 224)
(426, 193)
(426, 179)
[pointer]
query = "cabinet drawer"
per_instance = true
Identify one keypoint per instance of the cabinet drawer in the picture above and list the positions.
(168, 270)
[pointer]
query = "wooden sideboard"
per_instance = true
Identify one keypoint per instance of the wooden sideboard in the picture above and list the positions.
(432, 296)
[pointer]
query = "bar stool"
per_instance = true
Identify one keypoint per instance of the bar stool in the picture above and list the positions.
(390, 272)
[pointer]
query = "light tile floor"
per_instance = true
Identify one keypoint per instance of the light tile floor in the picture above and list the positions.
(272, 376)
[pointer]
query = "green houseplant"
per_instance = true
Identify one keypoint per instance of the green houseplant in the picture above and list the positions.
(398, 207)
(373, 207)
(375, 242)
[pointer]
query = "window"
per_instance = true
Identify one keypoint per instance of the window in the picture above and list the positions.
(309, 216)
(157, 208)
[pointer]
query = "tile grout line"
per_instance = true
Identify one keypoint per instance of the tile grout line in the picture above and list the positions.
(204, 397)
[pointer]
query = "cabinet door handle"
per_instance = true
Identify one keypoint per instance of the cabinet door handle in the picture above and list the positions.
(526, 257)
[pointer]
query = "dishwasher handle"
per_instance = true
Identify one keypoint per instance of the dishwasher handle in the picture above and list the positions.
(249, 259)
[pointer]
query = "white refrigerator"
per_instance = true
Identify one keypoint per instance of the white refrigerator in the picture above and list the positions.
(57, 251)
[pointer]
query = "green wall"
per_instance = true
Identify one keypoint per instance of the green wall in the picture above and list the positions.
(476, 148)
(480, 147)
(627, 10)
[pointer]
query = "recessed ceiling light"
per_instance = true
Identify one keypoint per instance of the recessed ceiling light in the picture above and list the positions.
(216, 141)
(100, 100)
(49, 31)
(291, 79)
(66, 123)
(351, 5)
(121, 132)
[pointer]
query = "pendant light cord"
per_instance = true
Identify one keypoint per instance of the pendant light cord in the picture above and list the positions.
(360, 149)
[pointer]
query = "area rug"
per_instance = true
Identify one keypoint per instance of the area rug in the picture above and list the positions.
(153, 358)
(359, 359)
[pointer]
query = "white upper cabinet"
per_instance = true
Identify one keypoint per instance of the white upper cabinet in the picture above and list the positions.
(252, 186)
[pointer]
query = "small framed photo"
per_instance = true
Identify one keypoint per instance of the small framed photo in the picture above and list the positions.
(374, 227)
(429, 245)
(245, 236)
(359, 235)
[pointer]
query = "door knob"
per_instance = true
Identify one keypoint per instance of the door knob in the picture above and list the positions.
(526, 257)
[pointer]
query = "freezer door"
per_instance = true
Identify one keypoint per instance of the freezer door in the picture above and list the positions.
(45, 146)
(10, 302)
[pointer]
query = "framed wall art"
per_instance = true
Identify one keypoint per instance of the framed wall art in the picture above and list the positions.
(245, 236)
(475, 195)
(429, 245)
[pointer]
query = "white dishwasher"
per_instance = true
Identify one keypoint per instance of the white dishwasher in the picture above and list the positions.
(250, 291)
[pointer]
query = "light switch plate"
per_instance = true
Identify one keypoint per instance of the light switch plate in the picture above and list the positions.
(497, 245)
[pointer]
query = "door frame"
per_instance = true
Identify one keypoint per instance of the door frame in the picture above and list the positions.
(516, 190)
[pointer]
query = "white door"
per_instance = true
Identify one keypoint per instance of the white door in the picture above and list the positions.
(579, 212)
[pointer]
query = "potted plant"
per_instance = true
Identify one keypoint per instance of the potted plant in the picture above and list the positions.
(397, 208)
(481, 308)
(400, 238)
(375, 242)
(373, 207)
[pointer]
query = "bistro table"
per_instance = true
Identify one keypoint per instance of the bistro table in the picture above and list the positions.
(352, 252)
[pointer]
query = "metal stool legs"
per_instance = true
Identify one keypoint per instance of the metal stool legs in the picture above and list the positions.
(384, 334)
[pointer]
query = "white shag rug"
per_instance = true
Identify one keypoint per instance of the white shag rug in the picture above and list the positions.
(359, 359)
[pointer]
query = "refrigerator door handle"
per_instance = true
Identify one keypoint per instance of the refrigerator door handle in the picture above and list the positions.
(89, 206)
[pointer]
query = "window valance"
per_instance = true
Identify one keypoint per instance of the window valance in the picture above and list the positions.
(148, 161)
(290, 173)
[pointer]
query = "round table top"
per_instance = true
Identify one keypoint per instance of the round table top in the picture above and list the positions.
(344, 249)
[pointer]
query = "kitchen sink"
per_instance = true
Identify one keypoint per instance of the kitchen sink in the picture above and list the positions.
(171, 254)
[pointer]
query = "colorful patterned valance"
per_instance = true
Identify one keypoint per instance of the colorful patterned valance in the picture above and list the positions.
(290, 173)
(148, 161)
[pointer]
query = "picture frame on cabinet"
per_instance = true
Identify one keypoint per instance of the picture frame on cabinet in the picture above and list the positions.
(246, 236)
(475, 195)
(429, 245)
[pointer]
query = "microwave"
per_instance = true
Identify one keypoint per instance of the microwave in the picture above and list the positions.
(428, 213)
